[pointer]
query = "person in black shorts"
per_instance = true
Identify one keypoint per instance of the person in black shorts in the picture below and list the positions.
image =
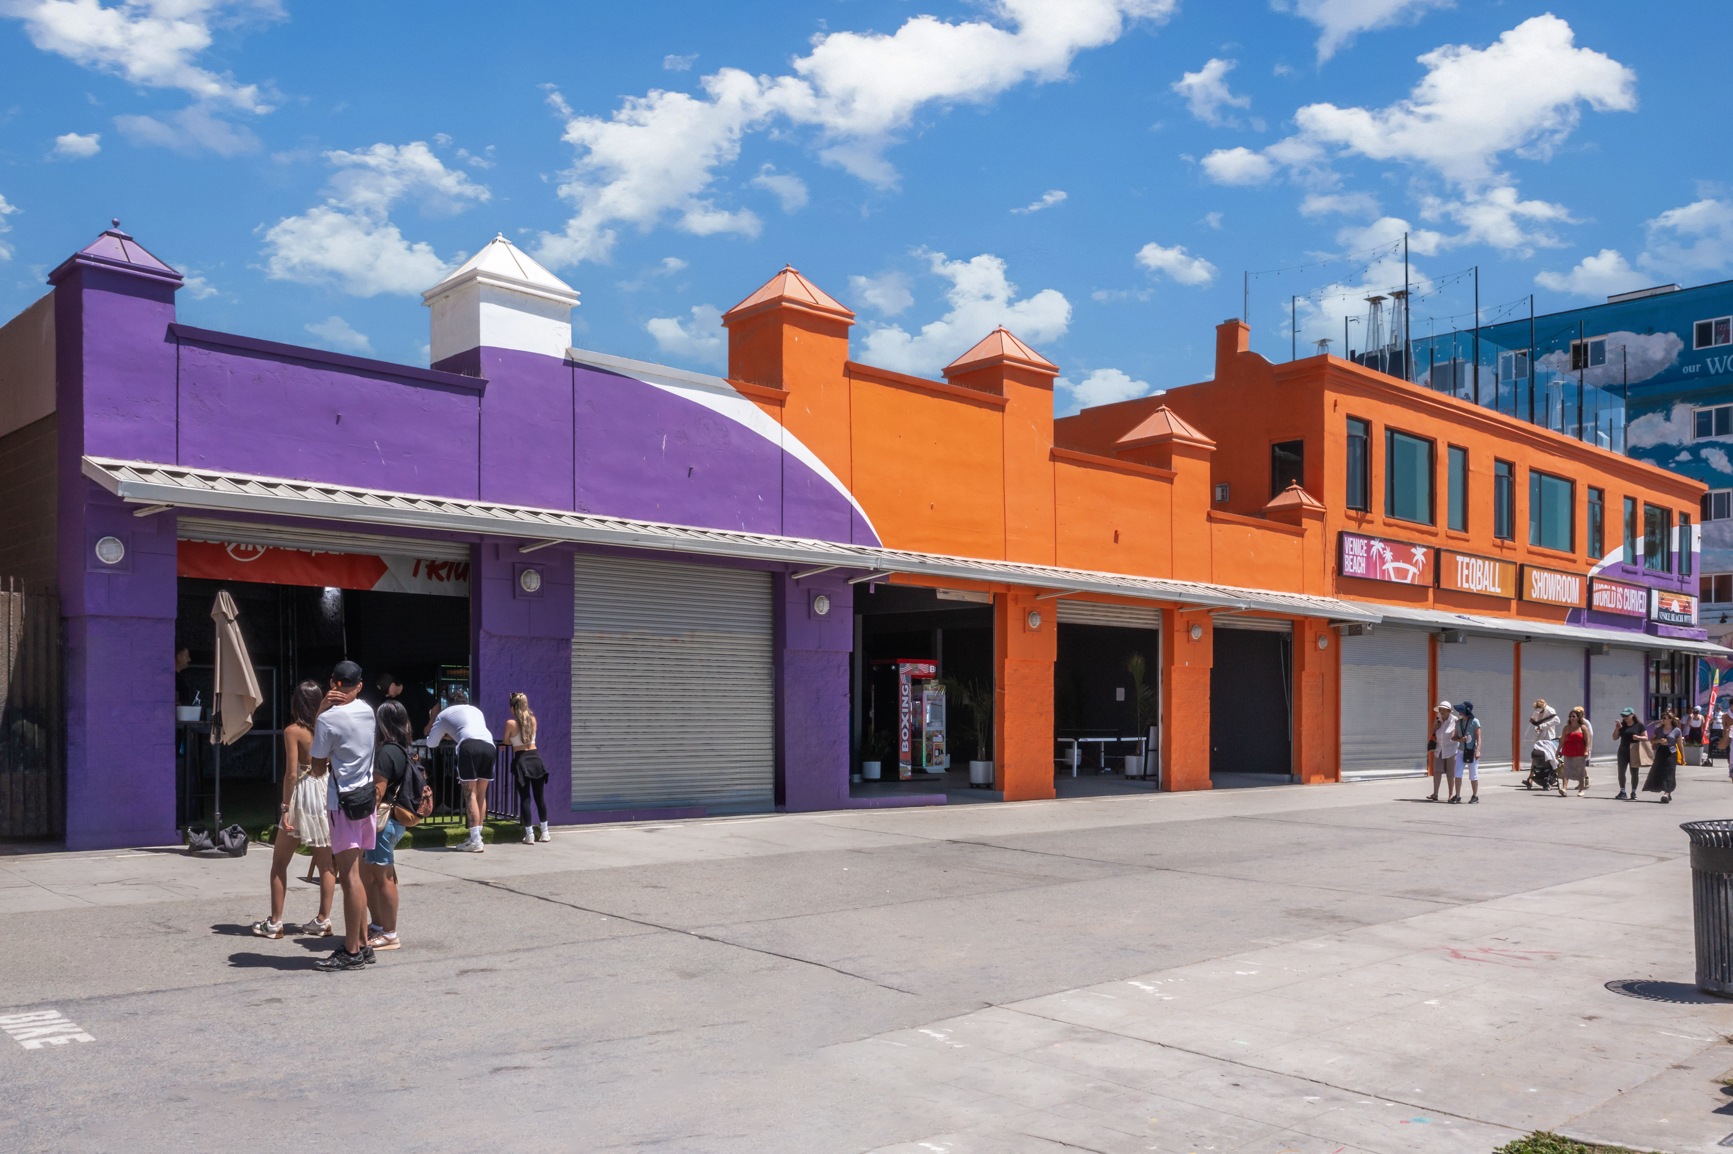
(464, 724)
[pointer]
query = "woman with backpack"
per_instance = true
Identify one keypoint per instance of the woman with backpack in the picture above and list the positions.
(1468, 762)
(302, 819)
(527, 768)
(403, 799)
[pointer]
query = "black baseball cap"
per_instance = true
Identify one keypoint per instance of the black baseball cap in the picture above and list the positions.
(346, 673)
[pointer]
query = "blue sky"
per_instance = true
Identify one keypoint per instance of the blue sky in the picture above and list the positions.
(1095, 174)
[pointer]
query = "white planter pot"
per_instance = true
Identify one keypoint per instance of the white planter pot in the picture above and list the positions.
(980, 773)
(869, 770)
(1693, 755)
(1134, 765)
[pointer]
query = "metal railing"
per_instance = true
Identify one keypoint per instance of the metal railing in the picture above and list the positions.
(440, 766)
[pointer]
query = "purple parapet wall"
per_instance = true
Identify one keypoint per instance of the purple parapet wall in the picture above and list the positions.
(523, 644)
(526, 424)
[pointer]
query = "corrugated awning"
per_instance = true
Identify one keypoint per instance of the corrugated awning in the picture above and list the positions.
(212, 490)
(1517, 629)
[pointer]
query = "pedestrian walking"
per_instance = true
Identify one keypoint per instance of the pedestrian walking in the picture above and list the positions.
(301, 819)
(464, 724)
(343, 742)
(1576, 749)
(1468, 760)
(1695, 724)
(1718, 731)
(1444, 747)
(392, 781)
(1544, 720)
(527, 769)
(1663, 775)
(1629, 733)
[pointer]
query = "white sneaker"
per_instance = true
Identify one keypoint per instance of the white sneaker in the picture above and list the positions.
(473, 845)
(542, 833)
(529, 835)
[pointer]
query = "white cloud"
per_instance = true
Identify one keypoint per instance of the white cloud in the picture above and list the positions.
(197, 286)
(698, 339)
(190, 130)
(656, 158)
(1213, 220)
(336, 333)
(1176, 263)
(1697, 238)
(1641, 355)
(1389, 230)
(1718, 459)
(1238, 165)
(1342, 20)
(981, 299)
(1339, 203)
(350, 240)
(678, 63)
(1048, 199)
(1100, 387)
(148, 43)
(6, 210)
(786, 187)
(1600, 275)
(76, 146)
(887, 294)
(668, 266)
(1206, 93)
(1654, 429)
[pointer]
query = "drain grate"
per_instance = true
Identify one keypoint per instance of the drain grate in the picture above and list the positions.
(1673, 993)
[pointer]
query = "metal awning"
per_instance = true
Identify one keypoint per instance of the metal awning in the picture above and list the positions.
(213, 490)
(1517, 629)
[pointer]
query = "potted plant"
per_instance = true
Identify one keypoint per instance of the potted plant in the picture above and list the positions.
(977, 700)
(1143, 710)
(881, 746)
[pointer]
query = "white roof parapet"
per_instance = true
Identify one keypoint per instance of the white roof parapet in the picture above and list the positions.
(503, 264)
(213, 490)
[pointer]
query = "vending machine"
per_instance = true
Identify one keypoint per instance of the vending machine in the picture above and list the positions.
(935, 758)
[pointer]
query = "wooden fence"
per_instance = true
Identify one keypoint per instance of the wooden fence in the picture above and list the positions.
(32, 716)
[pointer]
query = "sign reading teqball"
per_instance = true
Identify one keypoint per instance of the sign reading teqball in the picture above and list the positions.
(1466, 573)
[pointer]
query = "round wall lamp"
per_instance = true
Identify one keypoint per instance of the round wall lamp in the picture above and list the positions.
(1033, 620)
(1197, 632)
(1323, 641)
(111, 550)
(821, 605)
(530, 580)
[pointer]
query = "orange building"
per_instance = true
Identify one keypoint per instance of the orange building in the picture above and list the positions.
(1204, 531)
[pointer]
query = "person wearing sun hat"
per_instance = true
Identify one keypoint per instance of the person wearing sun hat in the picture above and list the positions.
(1444, 746)
(1629, 731)
(1468, 763)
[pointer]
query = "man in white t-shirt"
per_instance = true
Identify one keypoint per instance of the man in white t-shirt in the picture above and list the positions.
(464, 724)
(343, 740)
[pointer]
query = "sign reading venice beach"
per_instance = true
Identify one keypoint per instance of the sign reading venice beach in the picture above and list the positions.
(1551, 587)
(1466, 573)
(1380, 559)
(1617, 597)
(1672, 608)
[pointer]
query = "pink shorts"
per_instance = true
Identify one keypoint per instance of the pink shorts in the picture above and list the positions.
(346, 834)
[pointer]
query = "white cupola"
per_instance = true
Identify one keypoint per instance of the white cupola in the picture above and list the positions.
(501, 299)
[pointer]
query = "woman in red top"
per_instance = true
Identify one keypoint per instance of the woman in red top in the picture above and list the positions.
(1574, 749)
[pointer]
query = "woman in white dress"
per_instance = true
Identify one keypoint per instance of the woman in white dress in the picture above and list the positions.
(303, 819)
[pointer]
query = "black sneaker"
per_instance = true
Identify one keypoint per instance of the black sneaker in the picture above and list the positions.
(341, 959)
(1475, 800)
(367, 954)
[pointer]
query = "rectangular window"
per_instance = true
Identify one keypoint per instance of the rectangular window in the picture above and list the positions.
(1408, 472)
(1551, 511)
(1458, 501)
(1287, 465)
(1709, 334)
(1716, 421)
(1597, 524)
(1716, 588)
(1588, 354)
(1359, 464)
(1685, 549)
(1630, 557)
(1503, 500)
(1512, 366)
(1717, 505)
(1657, 529)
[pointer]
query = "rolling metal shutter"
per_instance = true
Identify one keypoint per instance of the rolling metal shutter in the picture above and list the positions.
(1615, 682)
(1555, 673)
(673, 689)
(1095, 613)
(316, 540)
(1482, 670)
(1384, 704)
(1256, 624)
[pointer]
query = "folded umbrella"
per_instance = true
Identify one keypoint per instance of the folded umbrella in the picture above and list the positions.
(236, 692)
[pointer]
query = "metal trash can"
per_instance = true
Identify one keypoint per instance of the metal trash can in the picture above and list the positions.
(1712, 903)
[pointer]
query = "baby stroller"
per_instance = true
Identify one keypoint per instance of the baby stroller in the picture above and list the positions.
(1543, 766)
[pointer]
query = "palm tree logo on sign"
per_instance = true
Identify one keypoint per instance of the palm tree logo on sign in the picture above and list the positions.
(1389, 568)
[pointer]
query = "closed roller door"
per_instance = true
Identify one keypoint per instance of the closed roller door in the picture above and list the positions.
(1555, 674)
(1615, 683)
(672, 687)
(1384, 704)
(1253, 624)
(1482, 670)
(1095, 613)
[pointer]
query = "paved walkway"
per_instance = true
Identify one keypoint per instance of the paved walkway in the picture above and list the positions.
(1303, 969)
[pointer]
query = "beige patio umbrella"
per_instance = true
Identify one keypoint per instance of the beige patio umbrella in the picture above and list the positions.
(236, 692)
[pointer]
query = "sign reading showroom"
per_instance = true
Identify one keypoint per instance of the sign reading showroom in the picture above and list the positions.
(1550, 587)
(1380, 559)
(1617, 597)
(1469, 574)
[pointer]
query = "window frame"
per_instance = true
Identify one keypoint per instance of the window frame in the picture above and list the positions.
(1711, 322)
(1595, 509)
(1431, 474)
(1707, 507)
(1276, 487)
(1708, 585)
(1720, 420)
(1537, 479)
(1632, 536)
(1665, 555)
(1365, 465)
(1455, 497)
(1504, 500)
(1685, 550)
(1587, 359)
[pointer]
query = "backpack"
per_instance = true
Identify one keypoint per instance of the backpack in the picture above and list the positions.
(412, 796)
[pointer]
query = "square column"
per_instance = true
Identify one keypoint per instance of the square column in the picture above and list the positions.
(813, 650)
(1023, 656)
(1185, 698)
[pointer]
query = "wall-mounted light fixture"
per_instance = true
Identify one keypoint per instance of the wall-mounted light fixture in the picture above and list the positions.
(530, 580)
(111, 550)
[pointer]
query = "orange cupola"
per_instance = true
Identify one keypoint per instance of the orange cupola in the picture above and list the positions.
(787, 289)
(1000, 347)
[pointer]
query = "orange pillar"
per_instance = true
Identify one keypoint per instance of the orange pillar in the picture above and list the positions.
(1315, 735)
(1185, 714)
(1024, 651)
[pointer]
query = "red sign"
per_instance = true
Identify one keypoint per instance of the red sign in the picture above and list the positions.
(273, 566)
(1551, 587)
(1466, 573)
(908, 672)
(1380, 559)
(1672, 608)
(1617, 597)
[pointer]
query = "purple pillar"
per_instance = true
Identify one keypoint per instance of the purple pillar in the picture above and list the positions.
(812, 706)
